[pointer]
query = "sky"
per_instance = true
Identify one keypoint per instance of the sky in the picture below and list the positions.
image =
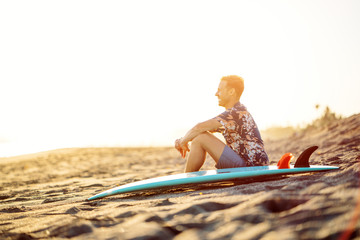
(141, 73)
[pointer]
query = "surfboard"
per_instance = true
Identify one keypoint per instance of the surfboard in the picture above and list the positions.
(283, 168)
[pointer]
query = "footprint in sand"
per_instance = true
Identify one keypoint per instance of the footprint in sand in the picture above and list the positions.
(72, 230)
(13, 210)
(73, 210)
(278, 205)
(204, 207)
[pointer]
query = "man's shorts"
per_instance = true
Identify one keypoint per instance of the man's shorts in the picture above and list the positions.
(230, 159)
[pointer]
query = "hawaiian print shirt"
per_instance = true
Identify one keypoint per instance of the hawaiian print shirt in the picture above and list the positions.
(242, 135)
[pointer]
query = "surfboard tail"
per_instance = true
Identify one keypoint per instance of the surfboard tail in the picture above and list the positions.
(303, 160)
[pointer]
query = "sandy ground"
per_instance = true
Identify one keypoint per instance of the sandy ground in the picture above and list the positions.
(44, 195)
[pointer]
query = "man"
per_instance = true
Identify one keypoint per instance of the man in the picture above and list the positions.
(244, 146)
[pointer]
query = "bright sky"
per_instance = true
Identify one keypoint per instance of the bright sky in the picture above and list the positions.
(120, 73)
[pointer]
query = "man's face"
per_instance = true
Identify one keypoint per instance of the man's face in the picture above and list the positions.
(222, 94)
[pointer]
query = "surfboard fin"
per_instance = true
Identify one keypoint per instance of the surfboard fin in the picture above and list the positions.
(284, 162)
(303, 160)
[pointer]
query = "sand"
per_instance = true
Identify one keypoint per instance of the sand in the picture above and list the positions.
(43, 196)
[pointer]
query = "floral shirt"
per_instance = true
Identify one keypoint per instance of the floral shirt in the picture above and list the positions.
(242, 135)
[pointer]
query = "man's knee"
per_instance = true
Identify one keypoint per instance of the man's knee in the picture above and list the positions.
(201, 138)
(209, 143)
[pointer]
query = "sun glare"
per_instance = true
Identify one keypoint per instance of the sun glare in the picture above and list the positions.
(128, 74)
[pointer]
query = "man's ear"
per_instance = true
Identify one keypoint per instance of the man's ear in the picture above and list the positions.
(231, 91)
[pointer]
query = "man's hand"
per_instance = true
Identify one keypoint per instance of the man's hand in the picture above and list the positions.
(182, 147)
(182, 144)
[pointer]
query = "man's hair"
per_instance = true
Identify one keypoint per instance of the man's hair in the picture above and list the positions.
(236, 82)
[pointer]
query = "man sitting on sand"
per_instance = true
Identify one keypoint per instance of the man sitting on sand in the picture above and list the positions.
(244, 146)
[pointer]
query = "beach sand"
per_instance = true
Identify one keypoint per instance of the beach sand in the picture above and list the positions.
(44, 195)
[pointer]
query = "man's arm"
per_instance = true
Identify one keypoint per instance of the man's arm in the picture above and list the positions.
(182, 144)
(199, 128)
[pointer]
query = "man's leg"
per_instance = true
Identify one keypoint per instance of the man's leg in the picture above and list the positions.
(202, 144)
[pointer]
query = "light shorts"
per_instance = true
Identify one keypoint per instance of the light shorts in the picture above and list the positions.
(230, 159)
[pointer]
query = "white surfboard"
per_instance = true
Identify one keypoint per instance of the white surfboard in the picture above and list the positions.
(208, 176)
(301, 166)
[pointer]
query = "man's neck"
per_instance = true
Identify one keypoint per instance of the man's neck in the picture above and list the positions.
(231, 104)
